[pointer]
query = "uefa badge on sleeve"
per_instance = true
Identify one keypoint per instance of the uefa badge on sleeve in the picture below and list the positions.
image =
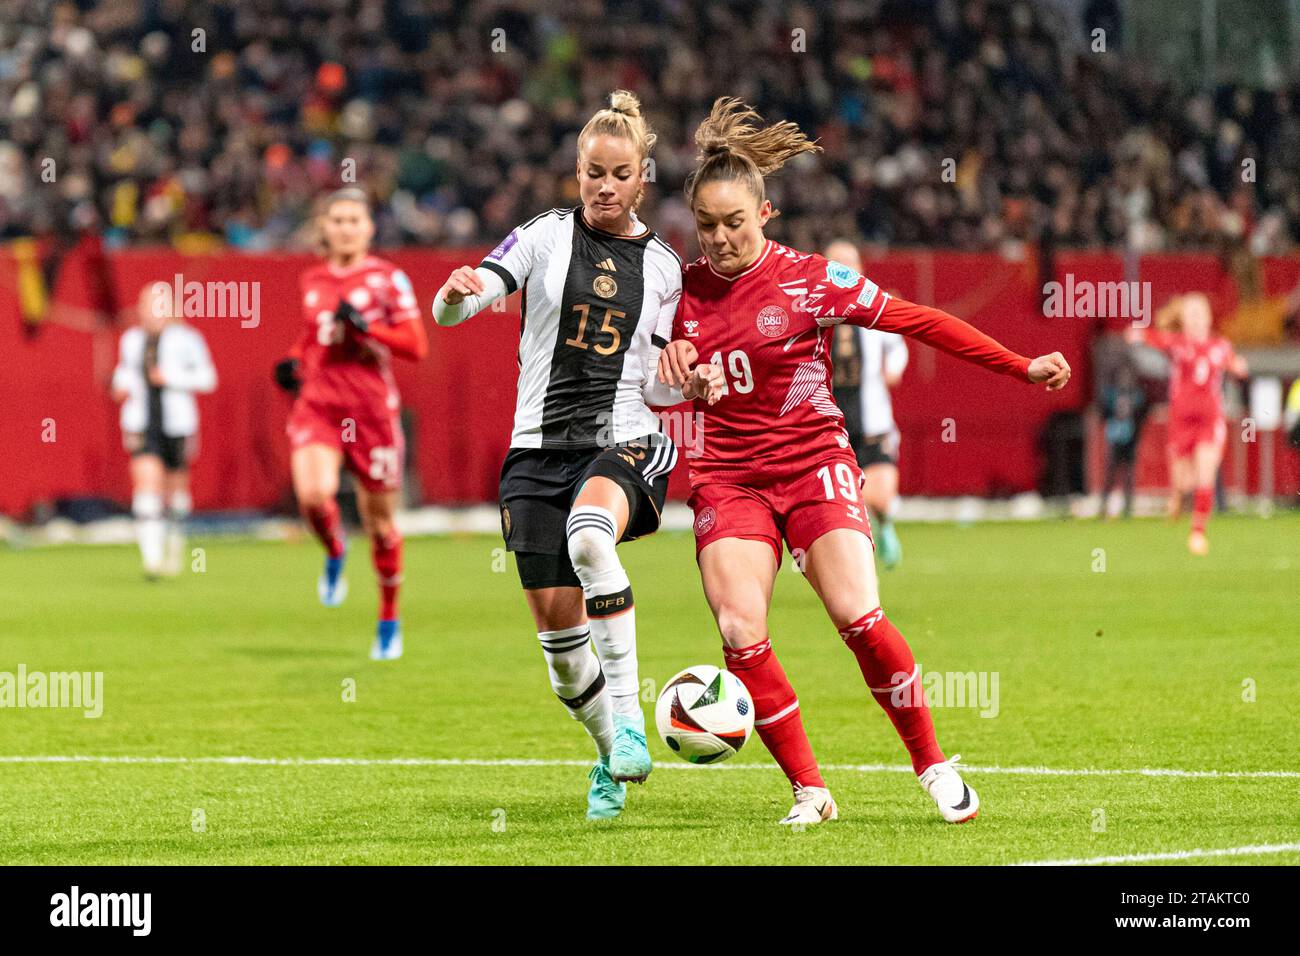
(841, 276)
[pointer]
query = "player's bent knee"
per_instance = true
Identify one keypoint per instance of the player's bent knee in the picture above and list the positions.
(740, 628)
(590, 548)
(312, 498)
(146, 504)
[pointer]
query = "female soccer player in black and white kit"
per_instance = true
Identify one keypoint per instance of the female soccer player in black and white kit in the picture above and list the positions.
(162, 364)
(588, 464)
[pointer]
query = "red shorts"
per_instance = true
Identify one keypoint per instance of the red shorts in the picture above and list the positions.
(373, 446)
(1186, 433)
(800, 508)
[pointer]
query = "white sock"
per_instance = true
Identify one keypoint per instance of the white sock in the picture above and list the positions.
(178, 512)
(605, 585)
(150, 529)
(577, 680)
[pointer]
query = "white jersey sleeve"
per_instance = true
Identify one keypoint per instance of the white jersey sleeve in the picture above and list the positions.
(503, 271)
(494, 289)
(193, 370)
(654, 391)
(894, 347)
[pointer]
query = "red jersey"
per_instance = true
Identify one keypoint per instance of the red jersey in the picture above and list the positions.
(769, 328)
(1195, 373)
(343, 369)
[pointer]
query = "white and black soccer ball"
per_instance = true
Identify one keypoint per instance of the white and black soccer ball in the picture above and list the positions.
(704, 714)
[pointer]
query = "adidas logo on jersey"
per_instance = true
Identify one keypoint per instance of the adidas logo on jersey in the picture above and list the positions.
(607, 265)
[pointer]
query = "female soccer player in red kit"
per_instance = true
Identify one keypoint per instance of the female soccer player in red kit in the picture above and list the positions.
(776, 461)
(1198, 359)
(358, 312)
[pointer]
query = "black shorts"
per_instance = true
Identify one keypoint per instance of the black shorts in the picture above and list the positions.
(850, 404)
(176, 451)
(876, 449)
(538, 487)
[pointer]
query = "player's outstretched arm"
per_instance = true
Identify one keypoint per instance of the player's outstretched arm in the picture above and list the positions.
(950, 334)
(1051, 370)
(404, 338)
(466, 292)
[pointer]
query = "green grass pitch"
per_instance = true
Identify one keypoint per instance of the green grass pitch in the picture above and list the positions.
(1149, 663)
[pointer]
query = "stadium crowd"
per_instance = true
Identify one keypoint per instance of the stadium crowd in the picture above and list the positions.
(968, 125)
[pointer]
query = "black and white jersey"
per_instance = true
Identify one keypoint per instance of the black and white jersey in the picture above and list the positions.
(596, 311)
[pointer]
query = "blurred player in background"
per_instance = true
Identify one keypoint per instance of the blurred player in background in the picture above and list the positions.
(1198, 359)
(777, 463)
(162, 364)
(879, 359)
(588, 464)
(358, 312)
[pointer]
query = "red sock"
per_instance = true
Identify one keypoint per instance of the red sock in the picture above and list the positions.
(891, 675)
(776, 711)
(387, 555)
(325, 522)
(1202, 502)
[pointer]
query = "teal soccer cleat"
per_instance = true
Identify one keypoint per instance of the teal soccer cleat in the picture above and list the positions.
(630, 760)
(891, 549)
(605, 798)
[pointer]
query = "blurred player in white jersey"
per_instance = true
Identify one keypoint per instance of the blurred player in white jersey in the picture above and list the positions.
(162, 364)
(878, 358)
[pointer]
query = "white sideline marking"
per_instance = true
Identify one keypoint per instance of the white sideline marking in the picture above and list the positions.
(522, 762)
(1178, 855)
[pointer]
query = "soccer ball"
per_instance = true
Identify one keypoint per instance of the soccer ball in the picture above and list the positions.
(704, 714)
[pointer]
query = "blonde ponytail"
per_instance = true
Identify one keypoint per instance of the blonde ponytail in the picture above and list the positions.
(622, 118)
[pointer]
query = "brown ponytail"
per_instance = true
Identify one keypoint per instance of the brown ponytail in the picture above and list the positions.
(732, 147)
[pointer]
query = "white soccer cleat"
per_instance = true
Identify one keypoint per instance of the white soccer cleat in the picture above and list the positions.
(388, 641)
(811, 805)
(175, 554)
(957, 802)
(332, 593)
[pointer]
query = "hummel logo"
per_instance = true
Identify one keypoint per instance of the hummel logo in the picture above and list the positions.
(607, 265)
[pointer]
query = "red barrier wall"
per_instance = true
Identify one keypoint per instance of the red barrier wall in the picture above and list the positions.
(54, 381)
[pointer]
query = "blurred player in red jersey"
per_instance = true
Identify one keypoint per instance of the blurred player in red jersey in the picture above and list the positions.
(1198, 359)
(776, 461)
(358, 312)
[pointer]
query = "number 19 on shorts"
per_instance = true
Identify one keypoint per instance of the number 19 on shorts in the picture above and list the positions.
(841, 482)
